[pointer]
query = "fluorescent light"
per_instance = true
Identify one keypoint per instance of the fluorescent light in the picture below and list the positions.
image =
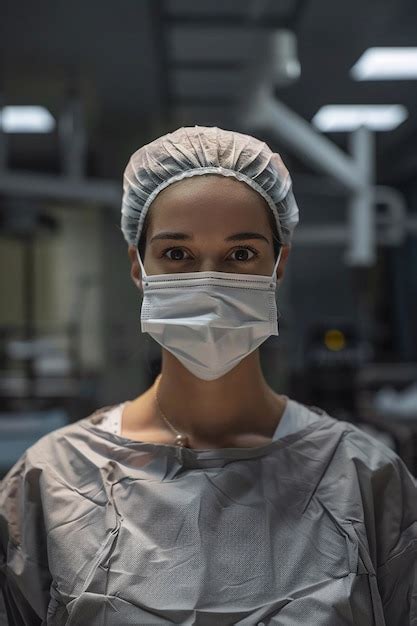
(386, 64)
(339, 117)
(26, 119)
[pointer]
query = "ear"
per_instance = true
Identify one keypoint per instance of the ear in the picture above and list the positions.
(135, 270)
(283, 260)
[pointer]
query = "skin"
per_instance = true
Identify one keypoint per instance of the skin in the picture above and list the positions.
(239, 409)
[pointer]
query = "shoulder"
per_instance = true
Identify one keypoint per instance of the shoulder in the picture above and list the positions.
(351, 458)
(51, 452)
(372, 457)
(393, 486)
(365, 475)
(354, 444)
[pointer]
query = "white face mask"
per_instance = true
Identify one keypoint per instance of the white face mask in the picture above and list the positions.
(209, 321)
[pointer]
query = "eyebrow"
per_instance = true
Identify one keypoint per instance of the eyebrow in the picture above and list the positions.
(234, 237)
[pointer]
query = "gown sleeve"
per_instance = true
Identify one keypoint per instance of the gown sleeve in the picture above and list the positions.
(24, 575)
(395, 501)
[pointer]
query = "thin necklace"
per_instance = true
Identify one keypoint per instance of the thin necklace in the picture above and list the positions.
(180, 439)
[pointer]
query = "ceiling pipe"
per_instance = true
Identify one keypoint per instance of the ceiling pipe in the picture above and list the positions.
(21, 184)
(361, 208)
(263, 111)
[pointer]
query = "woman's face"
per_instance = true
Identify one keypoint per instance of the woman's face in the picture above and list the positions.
(208, 223)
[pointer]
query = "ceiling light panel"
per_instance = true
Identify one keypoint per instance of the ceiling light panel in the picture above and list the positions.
(345, 117)
(26, 119)
(386, 64)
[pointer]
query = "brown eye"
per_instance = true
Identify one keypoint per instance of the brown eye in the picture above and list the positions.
(242, 254)
(177, 252)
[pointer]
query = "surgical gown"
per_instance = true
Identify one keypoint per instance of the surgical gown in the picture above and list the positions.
(318, 527)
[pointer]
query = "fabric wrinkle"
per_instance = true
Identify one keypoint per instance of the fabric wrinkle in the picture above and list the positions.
(143, 533)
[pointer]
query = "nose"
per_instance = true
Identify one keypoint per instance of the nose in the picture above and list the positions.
(210, 265)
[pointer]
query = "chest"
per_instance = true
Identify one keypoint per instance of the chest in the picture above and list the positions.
(228, 544)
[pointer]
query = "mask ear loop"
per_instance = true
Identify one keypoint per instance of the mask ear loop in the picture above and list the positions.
(144, 274)
(274, 273)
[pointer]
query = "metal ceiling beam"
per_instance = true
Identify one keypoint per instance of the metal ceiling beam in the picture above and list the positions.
(60, 188)
(335, 234)
(361, 214)
(354, 174)
(72, 136)
(264, 111)
(203, 64)
(204, 100)
(209, 22)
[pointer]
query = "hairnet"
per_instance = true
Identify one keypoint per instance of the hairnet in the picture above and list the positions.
(198, 150)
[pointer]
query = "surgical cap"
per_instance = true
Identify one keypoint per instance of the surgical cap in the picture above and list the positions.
(193, 151)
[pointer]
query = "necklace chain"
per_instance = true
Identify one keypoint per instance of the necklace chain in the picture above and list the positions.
(180, 439)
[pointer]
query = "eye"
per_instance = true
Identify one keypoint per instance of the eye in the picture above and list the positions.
(180, 251)
(175, 250)
(246, 249)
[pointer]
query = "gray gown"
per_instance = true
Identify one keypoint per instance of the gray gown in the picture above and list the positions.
(317, 527)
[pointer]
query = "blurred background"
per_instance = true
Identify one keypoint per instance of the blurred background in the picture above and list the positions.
(331, 86)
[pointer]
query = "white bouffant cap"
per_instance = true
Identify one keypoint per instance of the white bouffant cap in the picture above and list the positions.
(197, 150)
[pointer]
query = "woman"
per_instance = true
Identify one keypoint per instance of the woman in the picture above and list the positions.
(209, 499)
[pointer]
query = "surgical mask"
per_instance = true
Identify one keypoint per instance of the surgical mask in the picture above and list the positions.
(211, 320)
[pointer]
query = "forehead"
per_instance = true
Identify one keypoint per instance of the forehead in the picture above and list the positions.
(210, 200)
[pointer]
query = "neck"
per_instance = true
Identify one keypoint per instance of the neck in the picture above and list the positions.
(240, 402)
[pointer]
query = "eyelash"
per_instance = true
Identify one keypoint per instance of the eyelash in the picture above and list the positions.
(239, 248)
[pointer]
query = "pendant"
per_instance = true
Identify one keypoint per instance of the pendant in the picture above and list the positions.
(181, 440)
